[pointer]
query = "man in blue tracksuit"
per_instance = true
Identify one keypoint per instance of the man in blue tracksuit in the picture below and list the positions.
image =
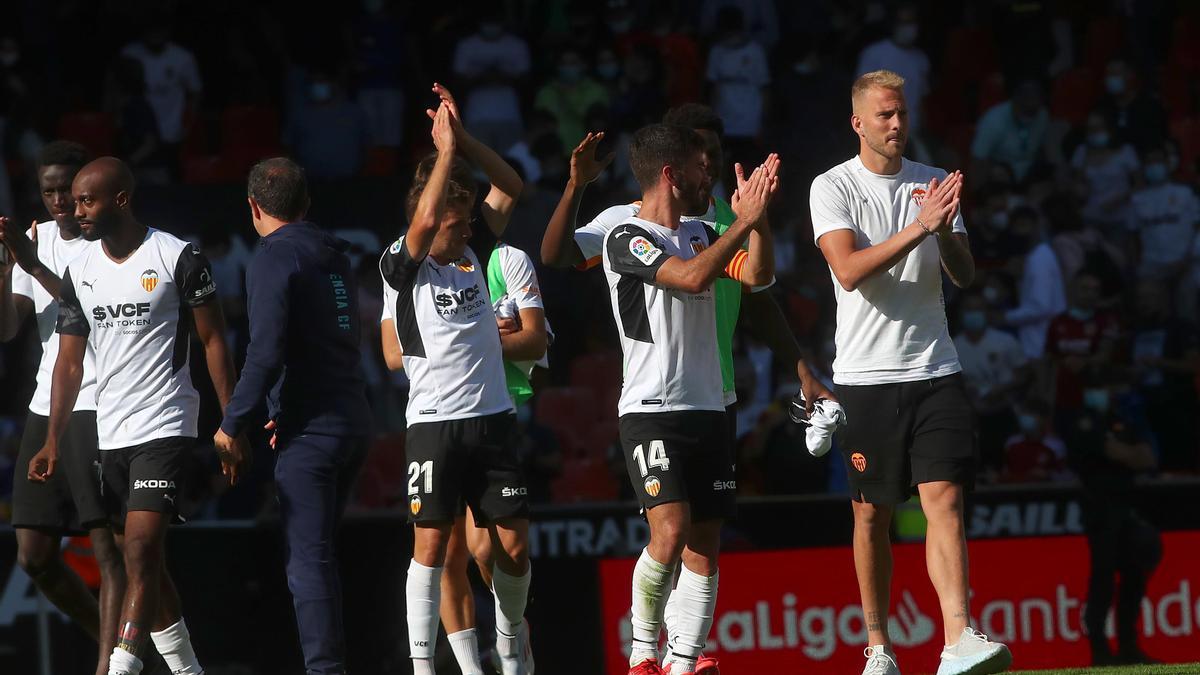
(303, 358)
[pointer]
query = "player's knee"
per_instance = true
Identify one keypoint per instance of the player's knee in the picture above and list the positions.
(872, 517)
(943, 505)
(482, 553)
(108, 557)
(37, 561)
(142, 555)
(516, 552)
(669, 538)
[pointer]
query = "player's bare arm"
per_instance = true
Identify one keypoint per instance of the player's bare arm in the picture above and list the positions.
(14, 309)
(524, 340)
(210, 328)
(68, 376)
(393, 354)
(506, 184)
(558, 245)
(698, 273)
(432, 206)
(852, 266)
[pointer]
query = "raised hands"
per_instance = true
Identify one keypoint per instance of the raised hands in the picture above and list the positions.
(447, 99)
(444, 138)
(585, 167)
(22, 250)
(753, 194)
(941, 203)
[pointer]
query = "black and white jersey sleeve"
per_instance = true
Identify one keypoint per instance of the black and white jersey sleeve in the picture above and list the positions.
(71, 319)
(194, 278)
(447, 330)
(633, 251)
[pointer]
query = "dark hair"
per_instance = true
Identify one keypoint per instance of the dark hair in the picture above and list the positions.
(460, 191)
(280, 188)
(659, 145)
(695, 116)
(66, 153)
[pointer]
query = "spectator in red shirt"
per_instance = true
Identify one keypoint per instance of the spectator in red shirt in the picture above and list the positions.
(1036, 453)
(1080, 343)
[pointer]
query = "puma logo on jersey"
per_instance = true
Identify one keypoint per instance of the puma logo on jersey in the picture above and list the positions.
(153, 484)
(88, 285)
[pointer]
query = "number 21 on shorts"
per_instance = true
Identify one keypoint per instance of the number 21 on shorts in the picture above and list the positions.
(415, 471)
(656, 459)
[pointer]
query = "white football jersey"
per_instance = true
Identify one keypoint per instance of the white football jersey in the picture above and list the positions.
(892, 328)
(55, 253)
(668, 337)
(446, 327)
(135, 316)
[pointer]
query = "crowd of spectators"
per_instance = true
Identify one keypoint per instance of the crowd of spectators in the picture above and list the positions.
(1075, 124)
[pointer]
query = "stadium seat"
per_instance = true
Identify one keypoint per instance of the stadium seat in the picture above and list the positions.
(381, 161)
(943, 108)
(991, 92)
(1186, 133)
(598, 372)
(208, 170)
(1073, 95)
(1105, 39)
(249, 126)
(1175, 87)
(584, 479)
(970, 55)
(1185, 43)
(94, 130)
(560, 408)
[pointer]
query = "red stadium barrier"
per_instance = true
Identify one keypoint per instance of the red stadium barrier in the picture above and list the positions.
(797, 611)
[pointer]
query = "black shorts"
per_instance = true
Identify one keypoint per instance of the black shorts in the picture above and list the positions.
(146, 477)
(471, 461)
(681, 456)
(900, 435)
(70, 500)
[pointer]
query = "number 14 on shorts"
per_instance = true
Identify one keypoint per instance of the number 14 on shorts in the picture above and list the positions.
(656, 459)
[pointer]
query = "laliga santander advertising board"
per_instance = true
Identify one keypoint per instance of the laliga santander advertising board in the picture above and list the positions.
(797, 611)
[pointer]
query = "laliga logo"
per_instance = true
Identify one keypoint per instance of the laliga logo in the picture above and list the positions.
(653, 486)
(859, 461)
(414, 504)
(149, 280)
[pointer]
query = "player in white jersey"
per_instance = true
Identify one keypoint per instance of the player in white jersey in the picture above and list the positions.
(71, 500)
(660, 271)
(888, 228)
(129, 296)
(459, 412)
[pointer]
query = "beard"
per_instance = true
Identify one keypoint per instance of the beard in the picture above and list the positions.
(887, 149)
(694, 199)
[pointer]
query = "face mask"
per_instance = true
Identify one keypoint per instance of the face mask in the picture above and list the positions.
(999, 220)
(1096, 399)
(1115, 84)
(1080, 314)
(1156, 173)
(991, 294)
(974, 320)
(320, 91)
(1027, 422)
(570, 74)
(1098, 140)
(491, 31)
(1172, 162)
(906, 34)
(608, 70)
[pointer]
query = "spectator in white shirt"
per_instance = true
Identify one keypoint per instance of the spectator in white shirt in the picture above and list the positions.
(1163, 216)
(173, 83)
(739, 73)
(899, 54)
(1107, 168)
(997, 375)
(1041, 295)
(1013, 132)
(490, 63)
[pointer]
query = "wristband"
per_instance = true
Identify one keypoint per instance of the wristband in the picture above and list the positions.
(926, 229)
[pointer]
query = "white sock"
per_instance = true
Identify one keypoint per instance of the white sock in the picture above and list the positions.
(671, 623)
(512, 593)
(651, 584)
(697, 602)
(175, 645)
(465, 645)
(123, 663)
(422, 591)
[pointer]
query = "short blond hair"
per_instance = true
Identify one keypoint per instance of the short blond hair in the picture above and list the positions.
(885, 79)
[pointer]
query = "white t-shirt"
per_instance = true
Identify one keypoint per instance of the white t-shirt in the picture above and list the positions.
(738, 75)
(447, 330)
(909, 62)
(1106, 179)
(170, 76)
(668, 337)
(1164, 216)
(523, 292)
(892, 328)
(134, 316)
(990, 362)
(55, 253)
(492, 101)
